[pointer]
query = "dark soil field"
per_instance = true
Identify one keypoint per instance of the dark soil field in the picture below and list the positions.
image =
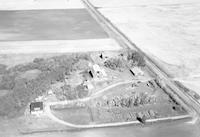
(65, 24)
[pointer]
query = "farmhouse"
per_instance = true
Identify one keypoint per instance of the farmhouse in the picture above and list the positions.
(36, 107)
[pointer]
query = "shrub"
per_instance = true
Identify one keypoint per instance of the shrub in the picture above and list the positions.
(135, 59)
(68, 92)
(7, 81)
(2, 68)
(82, 92)
(114, 64)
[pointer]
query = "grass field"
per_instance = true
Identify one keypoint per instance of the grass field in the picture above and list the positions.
(3, 92)
(57, 24)
(74, 115)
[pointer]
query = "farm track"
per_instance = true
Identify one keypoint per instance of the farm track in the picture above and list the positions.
(98, 93)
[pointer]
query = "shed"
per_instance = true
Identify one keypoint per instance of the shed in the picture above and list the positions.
(91, 74)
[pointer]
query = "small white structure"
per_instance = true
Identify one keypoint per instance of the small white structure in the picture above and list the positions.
(99, 71)
(90, 64)
(136, 71)
(39, 98)
(50, 92)
(88, 85)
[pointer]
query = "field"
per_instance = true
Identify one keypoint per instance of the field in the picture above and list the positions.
(3, 92)
(57, 24)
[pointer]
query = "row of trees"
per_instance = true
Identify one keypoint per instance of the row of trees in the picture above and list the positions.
(114, 63)
(2, 68)
(127, 58)
(67, 92)
(128, 102)
(116, 115)
(135, 59)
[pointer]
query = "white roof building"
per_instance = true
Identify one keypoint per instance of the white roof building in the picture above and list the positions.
(137, 71)
(98, 70)
(88, 84)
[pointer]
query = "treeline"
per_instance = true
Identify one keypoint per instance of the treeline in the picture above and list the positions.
(126, 59)
(135, 59)
(22, 90)
(67, 92)
(134, 100)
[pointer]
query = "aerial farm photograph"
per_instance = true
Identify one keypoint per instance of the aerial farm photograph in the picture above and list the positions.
(99, 68)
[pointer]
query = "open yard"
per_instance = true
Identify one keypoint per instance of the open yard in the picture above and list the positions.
(74, 115)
